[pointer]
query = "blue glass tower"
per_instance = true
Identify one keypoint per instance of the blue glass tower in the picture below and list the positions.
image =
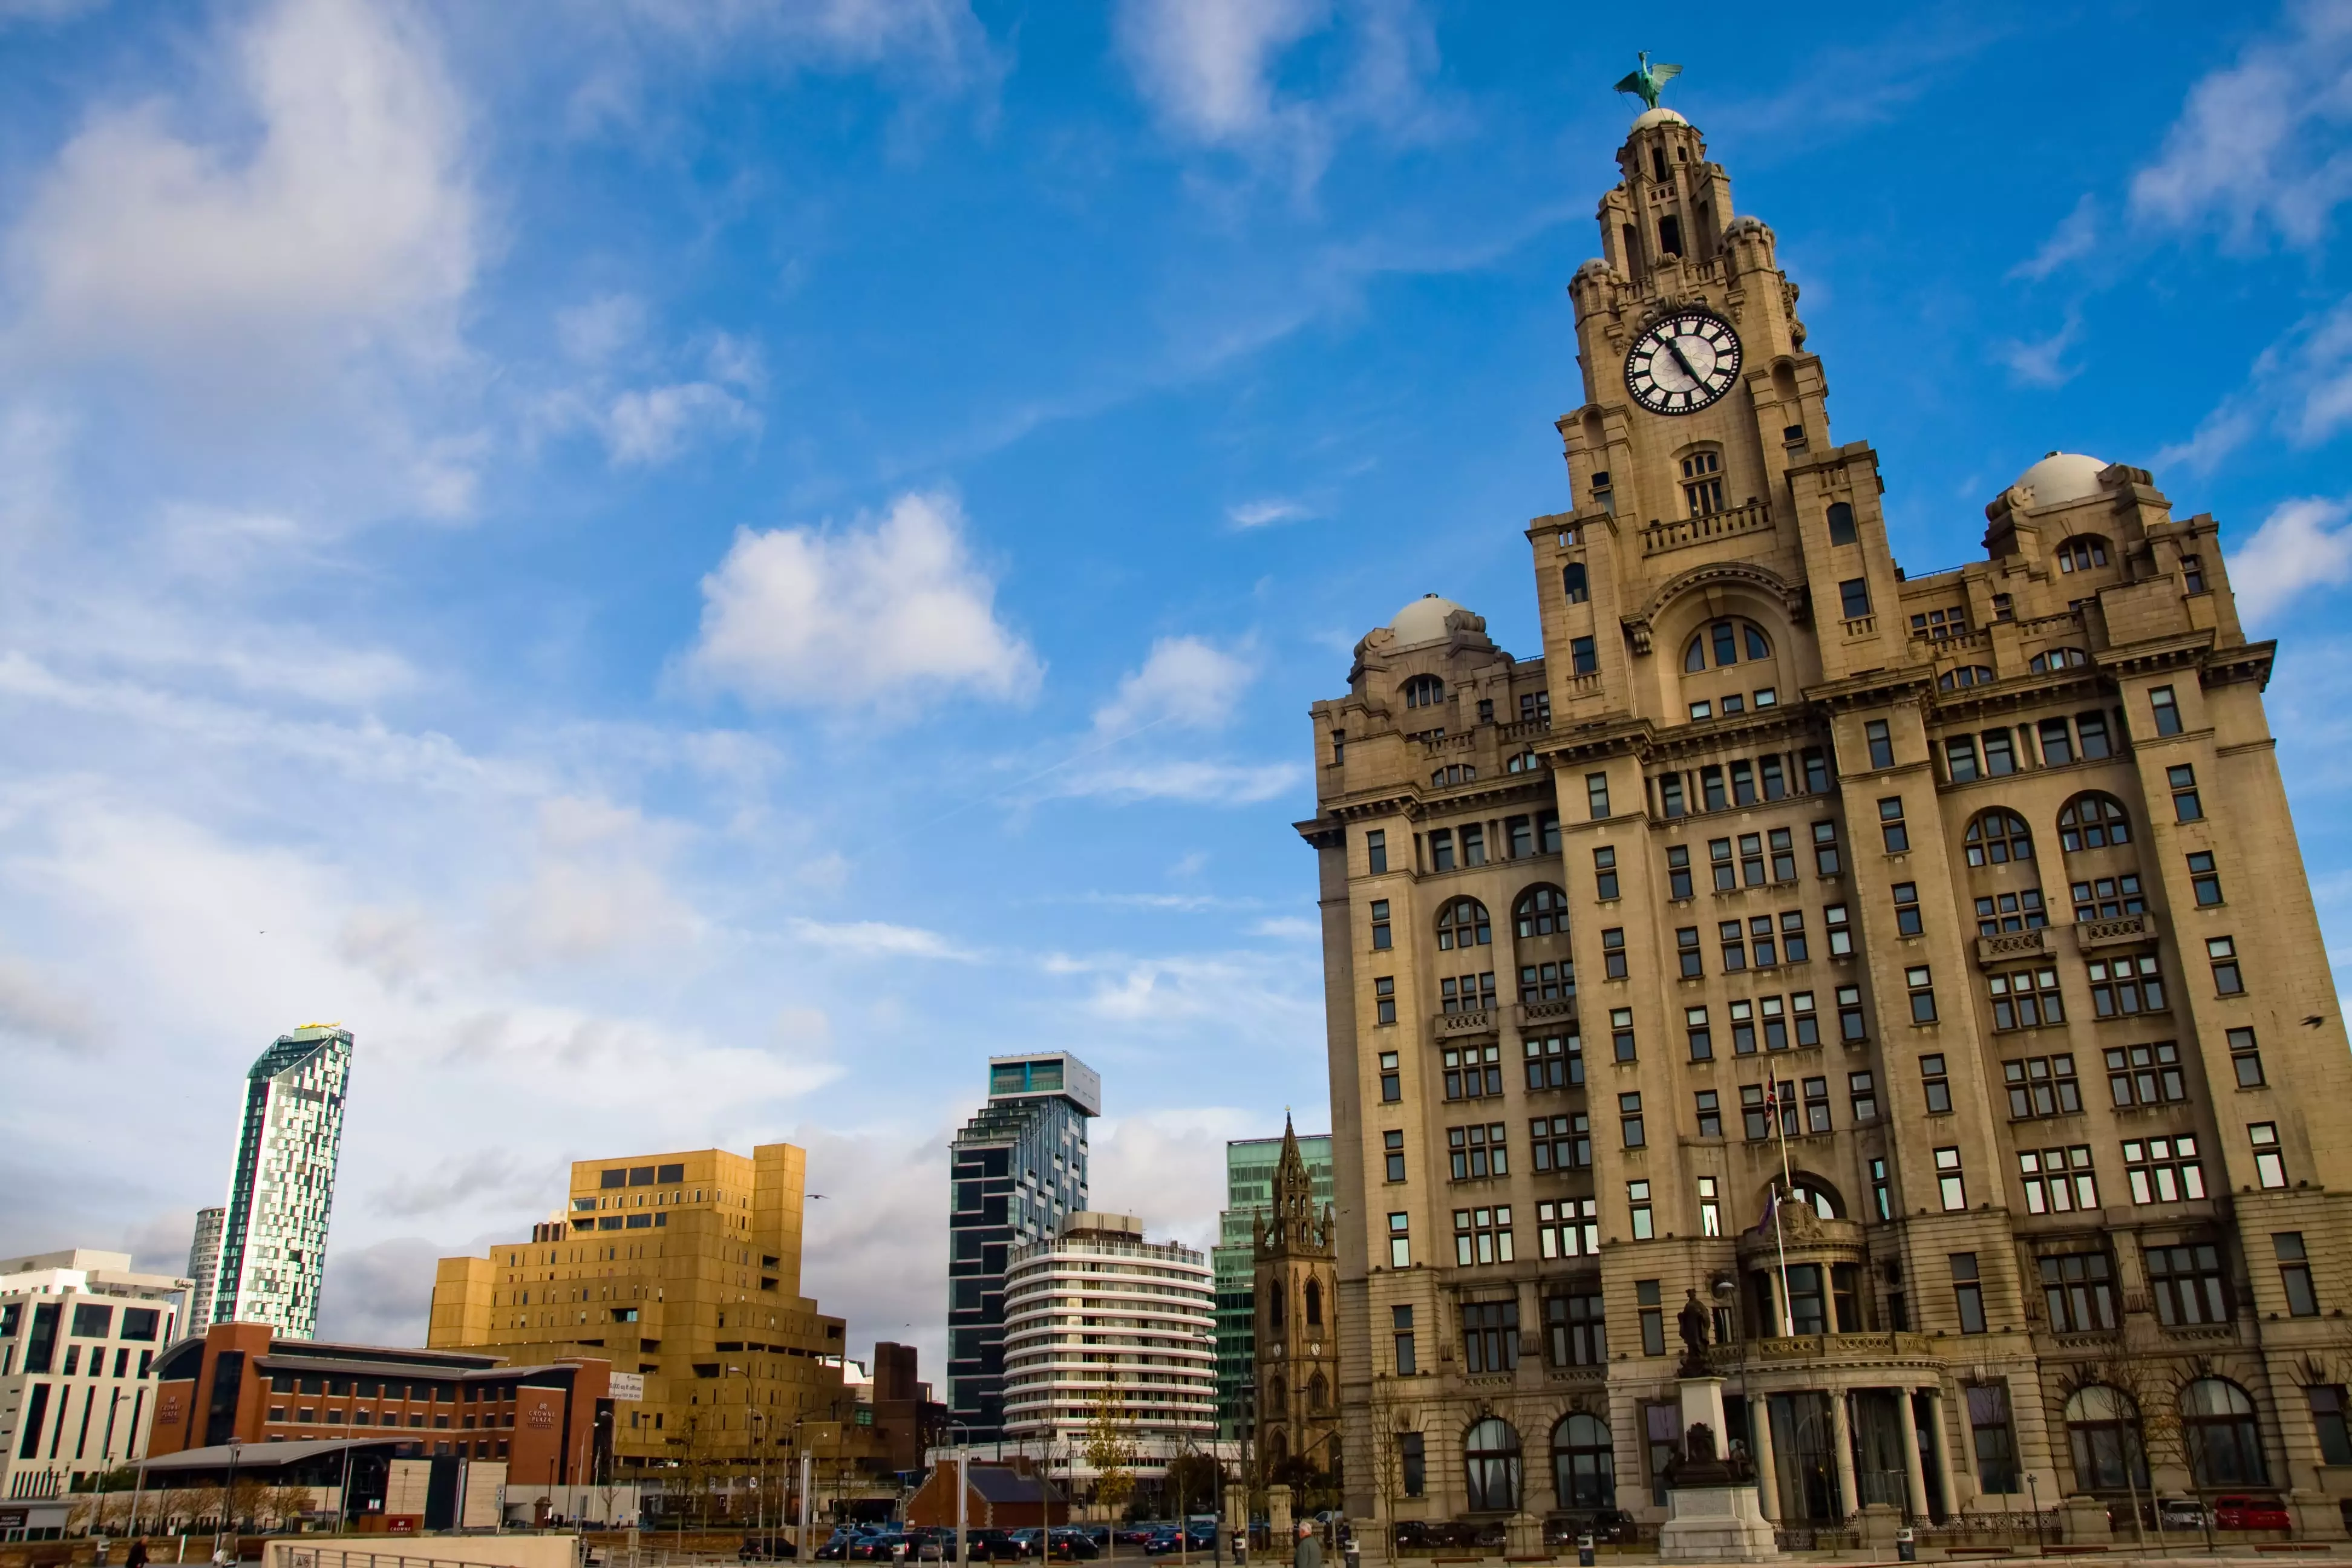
(1017, 1170)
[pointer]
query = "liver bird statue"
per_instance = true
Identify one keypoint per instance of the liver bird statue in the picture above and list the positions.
(1649, 81)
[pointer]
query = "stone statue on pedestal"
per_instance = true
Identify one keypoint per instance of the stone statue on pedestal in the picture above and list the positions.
(1693, 1320)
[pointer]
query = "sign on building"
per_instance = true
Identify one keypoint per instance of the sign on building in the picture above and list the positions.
(628, 1385)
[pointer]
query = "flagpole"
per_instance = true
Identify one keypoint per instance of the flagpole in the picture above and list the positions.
(1788, 1184)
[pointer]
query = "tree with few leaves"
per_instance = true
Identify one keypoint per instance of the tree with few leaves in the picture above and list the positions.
(1110, 1450)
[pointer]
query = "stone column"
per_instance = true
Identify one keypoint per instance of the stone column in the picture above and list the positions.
(1759, 1431)
(1915, 1476)
(1842, 1441)
(1942, 1439)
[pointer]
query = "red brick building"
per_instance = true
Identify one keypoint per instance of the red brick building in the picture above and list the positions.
(1001, 1497)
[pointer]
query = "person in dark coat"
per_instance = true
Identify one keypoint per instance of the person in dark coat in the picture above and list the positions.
(138, 1554)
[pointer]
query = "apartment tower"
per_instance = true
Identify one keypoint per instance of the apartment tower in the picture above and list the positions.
(273, 1235)
(1944, 935)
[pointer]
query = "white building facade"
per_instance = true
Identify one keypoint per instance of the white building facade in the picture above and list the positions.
(273, 1246)
(79, 1337)
(1098, 1319)
(204, 1264)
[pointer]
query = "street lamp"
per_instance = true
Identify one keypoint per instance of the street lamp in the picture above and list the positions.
(2034, 1491)
(963, 1484)
(228, 1505)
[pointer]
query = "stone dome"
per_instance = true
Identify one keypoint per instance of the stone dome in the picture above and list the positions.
(1596, 268)
(1746, 223)
(1661, 115)
(1422, 621)
(2057, 479)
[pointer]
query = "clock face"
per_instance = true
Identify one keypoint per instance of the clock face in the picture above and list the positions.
(1682, 363)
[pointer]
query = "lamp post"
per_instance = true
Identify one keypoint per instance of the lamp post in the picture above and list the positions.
(2034, 1491)
(228, 1504)
(963, 1485)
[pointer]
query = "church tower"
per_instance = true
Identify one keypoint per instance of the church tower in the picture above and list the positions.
(1963, 910)
(1296, 1286)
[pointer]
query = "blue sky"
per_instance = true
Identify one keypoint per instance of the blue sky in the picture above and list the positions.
(691, 571)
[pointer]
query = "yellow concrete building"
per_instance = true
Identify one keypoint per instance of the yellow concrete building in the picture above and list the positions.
(683, 1268)
(1969, 900)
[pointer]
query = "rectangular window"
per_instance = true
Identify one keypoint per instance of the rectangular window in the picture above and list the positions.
(1490, 1336)
(1613, 953)
(2057, 743)
(2043, 1085)
(1562, 1143)
(2020, 910)
(2026, 999)
(1637, 1202)
(1936, 1084)
(1474, 847)
(1569, 1227)
(1678, 871)
(1906, 910)
(1801, 1013)
(1521, 837)
(1686, 952)
(1751, 860)
(1710, 1207)
(1399, 1242)
(1710, 788)
(1760, 942)
(1817, 1105)
(1861, 1097)
(1817, 770)
(2294, 1274)
(2058, 1181)
(1376, 851)
(1575, 1329)
(1709, 1106)
(1401, 1327)
(1841, 934)
(1961, 758)
(1380, 925)
(1995, 1445)
(2189, 1285)
(1338, 747)
(2187, 806)
(1718, 854)
(2000, 753)
(1468, 993)
(2093, 729)
(1554, 1061)
(2168, 711)
(2121, 987)
(1583, 657)
(1891, 825)
(2327, 1407)
(1546, 982)
(1743, 773)
(2203, 880)
(1733, 938)
(1670, 795)
(1853, 1027)
(1743, 1029)
(1441, 850)
(2078, 1288)
(1547, 832)
(1629, 1120)
(2145, 1075)
(1949, 1186)
(1621, 1034)
(1825, 850)
(1472, 1072)
(1392, 1146)
(1882, 1196)
(1476, 1152)
(1384, 999)
(1702, 1037)
(1793, 949)
(1604, 873)
(2245, 1060)
(1596, 795)
(1969, 1292)
(2163, 1170)
(1648, 1296)
(1882, 743)
(2270, 1162)
(2223, 951)
(1775, 776)
(1920, 984)
(1854, 597)
(1392, 1082)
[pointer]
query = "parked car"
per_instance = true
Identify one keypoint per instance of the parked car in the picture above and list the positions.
(878, 1547)
(2179, 1513)
(1604, 1525)
(1071, 1543)
(837, 1547)
(1130, 1534)
(2237, 1511)
(762, 1548)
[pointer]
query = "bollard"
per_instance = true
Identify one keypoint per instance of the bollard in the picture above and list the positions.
(1584, 1552)
(1907, 1546)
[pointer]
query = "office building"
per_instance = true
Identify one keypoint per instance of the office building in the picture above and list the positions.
(273, 1239)
(1100, 1323)
(1017, 1170)
(80, 1332)
(682, 1270)
(204, 1266)
(1968, 899)
(1250, 1166)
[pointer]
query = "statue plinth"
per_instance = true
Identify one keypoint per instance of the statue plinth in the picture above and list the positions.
(1713, 1511)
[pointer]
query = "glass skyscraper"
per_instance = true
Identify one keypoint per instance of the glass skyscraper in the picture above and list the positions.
(273, 1239)
(1015, 1172)
(1249, 1195)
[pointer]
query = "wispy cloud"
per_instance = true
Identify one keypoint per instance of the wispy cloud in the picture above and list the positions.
(2304, 544)
(1186, 682)
(2076, 237)
(1195, 783)
(2041, 362)
(1266, 512)
(877, 938)
(2300, 387)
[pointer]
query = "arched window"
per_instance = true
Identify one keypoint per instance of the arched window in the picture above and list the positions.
(2052, 658)
(2082, 554)
(1277, 1397)
(1542, 912)
(1818, 1196)
(2092, 822)
(1524, 763)
(1319, 1393)
(1728, 642)
(1462, 923)
(1278, 1448)
(2225, 1446)
(1423, 691)
(2103, 1424)
(1583, 1468)
(1314, 1304)
(1573, 584)
(1996, 838)
(1966, 675)
(1274, 1308)
(1840, 522)
(1703, 481)
(1490, 1461)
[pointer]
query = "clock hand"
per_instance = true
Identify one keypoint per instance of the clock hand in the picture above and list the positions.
(1675, 348)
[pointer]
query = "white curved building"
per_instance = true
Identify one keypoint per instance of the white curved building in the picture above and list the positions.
(1097, 1309)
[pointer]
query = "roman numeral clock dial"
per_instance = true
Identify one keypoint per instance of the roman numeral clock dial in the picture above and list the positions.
(1682, 363)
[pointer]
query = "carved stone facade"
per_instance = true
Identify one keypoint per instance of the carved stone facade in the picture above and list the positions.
(1964, 911)
(1296, 1289)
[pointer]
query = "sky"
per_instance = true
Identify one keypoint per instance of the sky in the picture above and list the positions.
(692, 570)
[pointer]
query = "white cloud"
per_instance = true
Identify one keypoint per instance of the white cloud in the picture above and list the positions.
(349, 220)
(1167, 1167)
(2076, 237)
(1267, 510)
(1185, 682)
(1198, 783)
(2041, 362)
(1287, 928)
(2304, 544)
(596, 890)
(891, 610)
(652, 426)
(418, 1190)
(876, 939)
(595, 332)
(34, 1007)
(2257, 148)
(2300, 386)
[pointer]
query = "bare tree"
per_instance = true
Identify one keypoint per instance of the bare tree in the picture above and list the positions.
(1394, 1417)
(1111, 1451)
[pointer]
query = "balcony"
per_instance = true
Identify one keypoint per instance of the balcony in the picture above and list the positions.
(1756, 517)
(1841, 1350)
(2013, 945)
(1532, 1014)
(2112, 932)
(1454, 1025)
